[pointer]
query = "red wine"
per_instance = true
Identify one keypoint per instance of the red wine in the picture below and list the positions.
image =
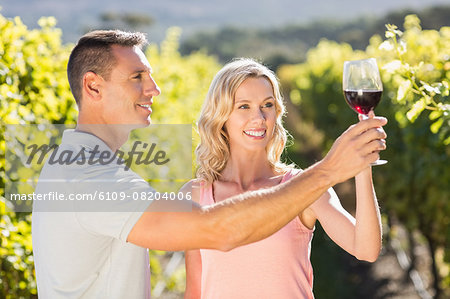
(362, 101)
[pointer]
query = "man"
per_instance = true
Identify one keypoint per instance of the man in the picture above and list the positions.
(104, 254)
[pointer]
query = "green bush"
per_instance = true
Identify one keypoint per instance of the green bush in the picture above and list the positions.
(415, 69)
(34, 90)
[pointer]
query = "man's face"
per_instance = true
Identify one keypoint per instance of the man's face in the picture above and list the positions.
(127, 95)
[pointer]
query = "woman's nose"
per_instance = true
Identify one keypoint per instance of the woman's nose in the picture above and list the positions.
(258, 116)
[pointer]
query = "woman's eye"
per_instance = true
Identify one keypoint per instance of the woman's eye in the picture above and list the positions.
(268, 105)
(138, 76)
(243, 107)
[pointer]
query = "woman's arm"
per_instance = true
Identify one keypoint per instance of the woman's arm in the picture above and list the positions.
(360, 237)
(192, 258)
(193, 262)
(368, 218)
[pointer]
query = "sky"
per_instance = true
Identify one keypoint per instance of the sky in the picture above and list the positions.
(74, 16)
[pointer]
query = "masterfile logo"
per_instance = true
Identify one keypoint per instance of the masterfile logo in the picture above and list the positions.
(160, 154)
(141, 153)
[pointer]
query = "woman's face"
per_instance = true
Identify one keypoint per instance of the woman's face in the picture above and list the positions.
(252, 120)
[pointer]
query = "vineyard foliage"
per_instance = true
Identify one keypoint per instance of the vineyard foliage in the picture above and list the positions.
(34, 90)
(415, 69)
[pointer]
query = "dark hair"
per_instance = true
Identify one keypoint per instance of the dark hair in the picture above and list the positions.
(93, 54)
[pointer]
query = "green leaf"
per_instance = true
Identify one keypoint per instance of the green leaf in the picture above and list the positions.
(46, 22)
(392, 31)
(402, 48)
(435, 114)
(401, 119)
(447, 141)
(387, 45)
(436, 125)
(416, 109)
(392, 66)
(403, 90)
(430, 88)
(444, 107)
(390, 34)
(443, 88)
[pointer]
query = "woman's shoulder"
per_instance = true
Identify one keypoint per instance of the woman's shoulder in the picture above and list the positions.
(291, 172)
(194, 186)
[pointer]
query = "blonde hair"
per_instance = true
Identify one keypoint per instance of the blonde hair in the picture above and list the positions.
(213, 150)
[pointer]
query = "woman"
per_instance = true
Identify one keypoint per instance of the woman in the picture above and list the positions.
(242, 139)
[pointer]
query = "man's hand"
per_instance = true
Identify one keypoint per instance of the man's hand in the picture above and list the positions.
(355, 149)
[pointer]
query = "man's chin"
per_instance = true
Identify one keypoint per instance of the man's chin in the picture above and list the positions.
(142, 125)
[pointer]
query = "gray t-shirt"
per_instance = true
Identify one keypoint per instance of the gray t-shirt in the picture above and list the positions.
(80, 248)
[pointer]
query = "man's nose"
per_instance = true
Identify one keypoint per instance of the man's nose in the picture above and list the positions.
(151, 88)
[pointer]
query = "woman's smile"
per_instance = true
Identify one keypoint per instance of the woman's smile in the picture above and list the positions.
(256, 134)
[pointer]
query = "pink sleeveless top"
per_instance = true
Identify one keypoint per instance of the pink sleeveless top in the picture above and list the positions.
(276, 267)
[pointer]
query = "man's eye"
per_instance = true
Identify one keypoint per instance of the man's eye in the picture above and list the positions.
(138, 76)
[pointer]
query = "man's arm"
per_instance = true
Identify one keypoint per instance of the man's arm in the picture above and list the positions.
(255, 215)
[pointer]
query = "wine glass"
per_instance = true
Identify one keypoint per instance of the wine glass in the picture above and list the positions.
(362, 87)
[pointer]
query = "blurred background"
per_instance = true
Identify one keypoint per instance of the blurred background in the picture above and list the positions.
(305, 43)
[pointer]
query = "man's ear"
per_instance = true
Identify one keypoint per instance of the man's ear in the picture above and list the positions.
(92, 85)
